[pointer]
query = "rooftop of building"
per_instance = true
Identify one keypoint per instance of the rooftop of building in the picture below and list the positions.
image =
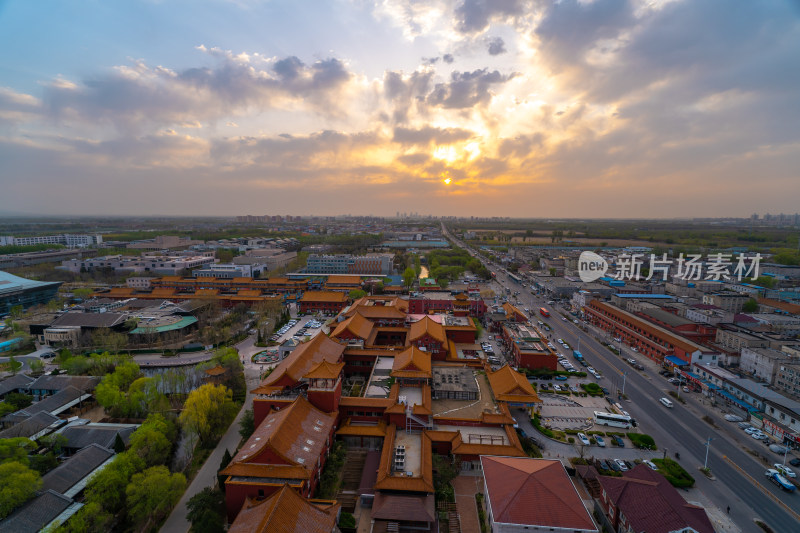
(534, 492)
(285, 511)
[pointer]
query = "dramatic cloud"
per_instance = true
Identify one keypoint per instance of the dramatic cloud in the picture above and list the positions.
(598, 101)
(497, 46)
(466, 89)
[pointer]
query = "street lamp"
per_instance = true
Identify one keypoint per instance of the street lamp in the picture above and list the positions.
(708, 446)
(624, 377)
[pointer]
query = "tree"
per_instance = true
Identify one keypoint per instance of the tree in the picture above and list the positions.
(89, 519)
(18, 484)
(36, 366)
(750, 306)
(226, 460)
(16, 450)
(108, 487)
(206, 511)
(355, 294)
(18, 400)
(152, 493)
(247, 424)
(408, 277)
(119, 444)
(151, 445)
(208, 411)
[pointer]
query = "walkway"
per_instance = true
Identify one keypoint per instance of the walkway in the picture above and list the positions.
(465, 487)
(207, 476)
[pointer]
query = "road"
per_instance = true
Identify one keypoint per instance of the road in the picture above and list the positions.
(680, 429)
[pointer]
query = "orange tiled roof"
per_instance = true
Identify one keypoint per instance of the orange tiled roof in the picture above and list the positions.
(378, 430)
(324, 296)
(285, 511)
(429, 326)
(325, 370)
(297, 434)
(343, 280)
(300, 361)
(216, 371)
(508, 385)
(412, 363)
(356, 401)
(512, 309)
(356, 324)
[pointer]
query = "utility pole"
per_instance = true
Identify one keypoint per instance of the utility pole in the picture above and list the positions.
(708, 446)
(624, 377)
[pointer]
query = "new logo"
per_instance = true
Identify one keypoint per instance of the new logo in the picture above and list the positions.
(591, 266)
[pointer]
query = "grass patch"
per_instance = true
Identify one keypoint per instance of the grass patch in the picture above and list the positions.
(642, 441)
(710, 421)
(675, 395)
(674, 473)
(331, 476)
(481, 512)
(593, 389)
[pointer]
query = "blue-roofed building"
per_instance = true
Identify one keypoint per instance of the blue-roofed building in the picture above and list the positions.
(15, 290)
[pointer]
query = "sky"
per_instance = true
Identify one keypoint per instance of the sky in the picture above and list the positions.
(567, 109)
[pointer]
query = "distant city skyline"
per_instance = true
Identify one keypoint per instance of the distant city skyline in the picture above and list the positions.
(528, 109)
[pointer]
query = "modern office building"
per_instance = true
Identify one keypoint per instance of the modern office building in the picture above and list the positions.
(15, 291)
(67, 239)
(370, 264)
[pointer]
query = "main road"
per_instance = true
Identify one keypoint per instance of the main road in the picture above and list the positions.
(681, 430)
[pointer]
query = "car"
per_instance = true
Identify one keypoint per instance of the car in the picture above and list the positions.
(566, 346)
(618, 440)
(564, 319)
(560, 341)
(672, 380)
(522, 433)
(584, 439)
(561, 378)
(614, 466)
(757, 436)
(628, 464)
(795, 462)
(605, 391)
(543, 386)
(687, 389)
(650, 464)
(770, 471)
(633, 349)
(572, 370)
(784, 470)
(744, 425)
(557, 388)
(604, 465)
(631, 361)
(574, 388)
(621, 464)
(600, 441)
(750, 430)
(48, 355)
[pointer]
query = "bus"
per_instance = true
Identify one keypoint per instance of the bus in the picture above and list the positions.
(544, 312)
(515, 278)
(602, 418)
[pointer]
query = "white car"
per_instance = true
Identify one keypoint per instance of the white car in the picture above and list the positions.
(560, 341)
(584, 439)
(621, 464)
(650, 464)
(600, 441)
(557, 388)
(784, 470)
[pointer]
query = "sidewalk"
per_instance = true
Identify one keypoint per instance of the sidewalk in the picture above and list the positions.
(207, 475)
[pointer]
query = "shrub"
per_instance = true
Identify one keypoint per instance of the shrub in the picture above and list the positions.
(571, 440)
(674, 473)
(347, 520)
(642, 441)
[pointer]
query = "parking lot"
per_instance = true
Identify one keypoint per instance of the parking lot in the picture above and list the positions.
(299, 328)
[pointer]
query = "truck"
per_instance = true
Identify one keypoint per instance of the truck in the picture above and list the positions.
(577, 355)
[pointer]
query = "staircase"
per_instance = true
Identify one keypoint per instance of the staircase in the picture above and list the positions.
(453, 518)
(351, 478)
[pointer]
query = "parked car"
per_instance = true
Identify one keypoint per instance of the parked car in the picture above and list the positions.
(650, 464)
(600, 441)
(604, 465)
(605, 391)
(584, 439)
(621, 464)
(618, 440)
(561, 378)
(795, 462)
(614, 466)
(557, 388)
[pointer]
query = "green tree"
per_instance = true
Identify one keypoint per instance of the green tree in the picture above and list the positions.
(18, 484)
(36, 366)
(208, 411)
(408, 277)
(226, 460)
(151, 445)
(355, 294)
(16, 450)
(152, 493)
(91, 518)
(82, 293)
(750, 306)
(247, 424)
(206, 511)
(18, 400)
(108, 487)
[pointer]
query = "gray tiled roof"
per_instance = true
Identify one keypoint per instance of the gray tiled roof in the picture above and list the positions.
(36, 514)
(74, 469)
(20, 381)
(81, 436)
(30, 426)
(59, 382)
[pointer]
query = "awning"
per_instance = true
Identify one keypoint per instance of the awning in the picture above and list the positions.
(737, 401)
(675, 360)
